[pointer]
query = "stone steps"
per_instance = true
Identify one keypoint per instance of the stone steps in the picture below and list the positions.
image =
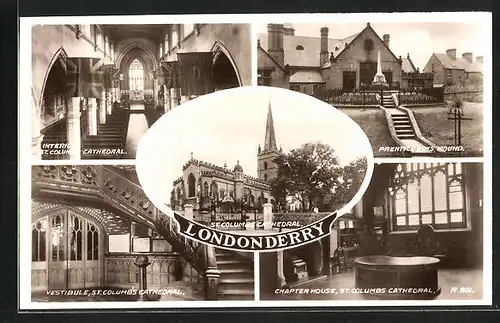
(237, 280)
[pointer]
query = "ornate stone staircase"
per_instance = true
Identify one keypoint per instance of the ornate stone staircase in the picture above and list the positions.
(236, 276)
(104, 186)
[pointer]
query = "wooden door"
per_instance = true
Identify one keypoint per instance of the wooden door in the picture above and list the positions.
(348, 81)
(367, 71)
(75, 259)
(58, 262)
(39, 256)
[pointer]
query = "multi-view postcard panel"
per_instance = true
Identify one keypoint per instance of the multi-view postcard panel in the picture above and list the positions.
(416, 88)
(162, 176)
(417, 233)
(96, 89)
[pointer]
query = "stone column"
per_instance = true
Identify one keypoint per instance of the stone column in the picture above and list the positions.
(73, 128)
(166, 98)
(102, 107)
(118, 95)
(188, 211)
(92, 116)
(155, 92)
(173, 98)
(212, 276)
(280, 268)
(268, 216)
(109, 101)
(36, 136)
(358, 209)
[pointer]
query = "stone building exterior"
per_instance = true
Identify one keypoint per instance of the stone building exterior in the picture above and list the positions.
(316, 63)
(203, 183)
(450, 70)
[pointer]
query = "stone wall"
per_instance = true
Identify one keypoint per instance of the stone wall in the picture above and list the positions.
(121, 272)
(354, 54)
(278, 76)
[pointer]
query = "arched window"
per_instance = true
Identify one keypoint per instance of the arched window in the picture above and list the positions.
(179, 193)
(205, 189)
(265, 177)
(299, 47)
(213, 189)
(136, 75)
(191, 185)
(265, 165)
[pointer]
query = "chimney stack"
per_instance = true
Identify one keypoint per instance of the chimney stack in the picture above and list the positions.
(386, 38)
(323, 55)
(479, 59)
(275, 42)
(467, 56)
(452, 53)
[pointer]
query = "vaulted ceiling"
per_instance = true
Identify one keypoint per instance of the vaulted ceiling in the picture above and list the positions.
(155, 33)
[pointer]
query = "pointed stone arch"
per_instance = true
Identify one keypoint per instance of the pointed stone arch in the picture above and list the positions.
(131, 46)
(220, 49)
(60, 52)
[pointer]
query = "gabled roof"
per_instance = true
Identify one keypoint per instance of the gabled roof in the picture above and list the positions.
(311, 76)
(407, 65)
(459, 63)
(368, 27)
(309, 56)
(270, 57)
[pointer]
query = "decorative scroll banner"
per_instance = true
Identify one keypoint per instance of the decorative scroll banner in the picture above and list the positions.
(84, 76)
(171, 72)
(196, 73)
(277, 241)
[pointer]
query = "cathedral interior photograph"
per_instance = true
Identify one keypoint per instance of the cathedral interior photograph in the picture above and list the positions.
(411, 98)
(96, 237)
(416, 234)
(96, 89)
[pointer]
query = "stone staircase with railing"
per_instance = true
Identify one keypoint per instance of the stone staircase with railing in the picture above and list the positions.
(236, 276)
(103, 185)
(402, 125)
(110, 135)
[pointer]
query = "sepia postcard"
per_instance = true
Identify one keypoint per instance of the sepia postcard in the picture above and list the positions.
(267, 160)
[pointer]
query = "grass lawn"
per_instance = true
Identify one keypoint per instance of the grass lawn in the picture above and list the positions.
(435, 126)
(374, 124)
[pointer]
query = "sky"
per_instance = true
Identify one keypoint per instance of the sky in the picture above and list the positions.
(228, 126)
(418, 39)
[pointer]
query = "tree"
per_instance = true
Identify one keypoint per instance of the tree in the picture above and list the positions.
(352, 177)
(308, 173)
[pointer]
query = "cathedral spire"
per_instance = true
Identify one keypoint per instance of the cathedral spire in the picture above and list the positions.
(270, 141)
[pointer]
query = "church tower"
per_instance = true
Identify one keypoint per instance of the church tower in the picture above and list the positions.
(266, 168)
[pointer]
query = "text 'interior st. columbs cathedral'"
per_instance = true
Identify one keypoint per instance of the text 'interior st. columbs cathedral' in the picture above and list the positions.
(96, 89)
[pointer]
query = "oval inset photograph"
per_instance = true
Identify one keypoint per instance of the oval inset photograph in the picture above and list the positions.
(254, 168)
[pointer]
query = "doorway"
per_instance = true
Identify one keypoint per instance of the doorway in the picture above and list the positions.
(348, 81)
(66, 252)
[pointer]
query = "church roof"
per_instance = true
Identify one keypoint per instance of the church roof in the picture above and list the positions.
(308, 56)
(459, 63)
(270, 139)
(311, 76)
